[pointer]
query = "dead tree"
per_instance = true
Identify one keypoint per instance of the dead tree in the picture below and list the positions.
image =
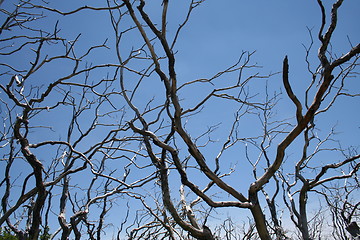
(90, 125)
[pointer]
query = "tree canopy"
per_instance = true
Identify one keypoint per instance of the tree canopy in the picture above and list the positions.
(150, 120)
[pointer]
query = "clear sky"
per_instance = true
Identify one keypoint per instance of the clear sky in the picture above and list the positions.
(217, 33)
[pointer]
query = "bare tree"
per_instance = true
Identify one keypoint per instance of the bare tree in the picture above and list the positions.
(99, 132)
(69, 171)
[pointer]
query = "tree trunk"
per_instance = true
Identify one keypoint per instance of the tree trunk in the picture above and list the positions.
(303, 221)
(259, 218)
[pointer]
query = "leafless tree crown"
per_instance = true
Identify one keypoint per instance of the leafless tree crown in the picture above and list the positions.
(103, 137)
